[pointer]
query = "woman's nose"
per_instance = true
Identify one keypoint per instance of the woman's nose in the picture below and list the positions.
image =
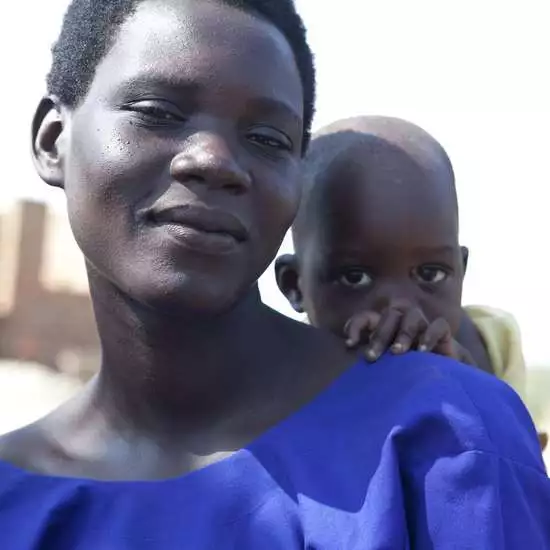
(208, 159)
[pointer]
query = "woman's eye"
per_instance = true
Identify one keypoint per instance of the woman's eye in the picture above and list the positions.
(271, 139)
(155, 112)
(430, 274)
(355, 278)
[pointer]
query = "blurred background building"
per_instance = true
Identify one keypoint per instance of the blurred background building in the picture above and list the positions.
(48, 341)
(45, 311)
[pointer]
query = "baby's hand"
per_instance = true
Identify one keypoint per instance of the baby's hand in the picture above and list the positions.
(401, 328)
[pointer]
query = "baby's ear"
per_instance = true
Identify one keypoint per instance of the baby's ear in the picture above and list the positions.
(465, 255)
(287, 274)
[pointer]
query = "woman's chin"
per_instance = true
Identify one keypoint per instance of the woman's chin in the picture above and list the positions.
(182, 294)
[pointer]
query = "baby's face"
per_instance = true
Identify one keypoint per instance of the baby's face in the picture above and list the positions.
(383, 234)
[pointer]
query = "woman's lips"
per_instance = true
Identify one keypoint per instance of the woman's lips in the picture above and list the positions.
(202, 229)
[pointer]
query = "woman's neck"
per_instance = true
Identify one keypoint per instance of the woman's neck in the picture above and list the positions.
(173, 396)
(164, 373)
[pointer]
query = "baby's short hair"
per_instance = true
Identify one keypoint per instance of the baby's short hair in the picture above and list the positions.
(346, 138)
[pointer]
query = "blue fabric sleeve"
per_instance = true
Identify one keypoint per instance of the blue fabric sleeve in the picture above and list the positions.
(477, 500)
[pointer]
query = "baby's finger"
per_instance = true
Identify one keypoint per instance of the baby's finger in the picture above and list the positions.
(437, 338)
(413, 324)
(366, 321)
(384, 334)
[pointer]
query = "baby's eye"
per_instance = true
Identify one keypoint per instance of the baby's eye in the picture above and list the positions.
(355, 278)
(430, 274)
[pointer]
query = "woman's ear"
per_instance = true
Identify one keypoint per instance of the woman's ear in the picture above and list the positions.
(288, 275)
(48, 138)
(465, 255)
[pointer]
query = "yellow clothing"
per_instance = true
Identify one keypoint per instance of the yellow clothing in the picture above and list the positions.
(501, 336)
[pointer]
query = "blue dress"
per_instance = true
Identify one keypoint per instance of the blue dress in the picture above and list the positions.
(414, 452)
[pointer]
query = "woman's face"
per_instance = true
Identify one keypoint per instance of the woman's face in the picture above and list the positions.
(180, 165)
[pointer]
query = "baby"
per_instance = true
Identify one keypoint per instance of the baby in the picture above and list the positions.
(377, 256)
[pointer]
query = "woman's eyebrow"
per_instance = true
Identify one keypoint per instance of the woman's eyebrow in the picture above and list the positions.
(276, 107)
(148, 83)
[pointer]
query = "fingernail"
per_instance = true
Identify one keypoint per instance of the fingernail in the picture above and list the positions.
(423, 348)
(372, 355)
(397, 348)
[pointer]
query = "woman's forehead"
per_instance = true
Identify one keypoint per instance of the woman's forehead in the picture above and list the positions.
(207, 45)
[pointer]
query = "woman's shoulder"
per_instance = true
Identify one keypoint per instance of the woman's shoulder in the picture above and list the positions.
(426, 405)
(21, 448)
(438, 399)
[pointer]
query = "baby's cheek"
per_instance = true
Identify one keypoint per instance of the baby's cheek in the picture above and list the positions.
(339, 307)
(320, 307)
(442, 306)
(454, 301)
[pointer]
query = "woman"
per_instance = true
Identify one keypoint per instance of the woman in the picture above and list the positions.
(176, 131)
